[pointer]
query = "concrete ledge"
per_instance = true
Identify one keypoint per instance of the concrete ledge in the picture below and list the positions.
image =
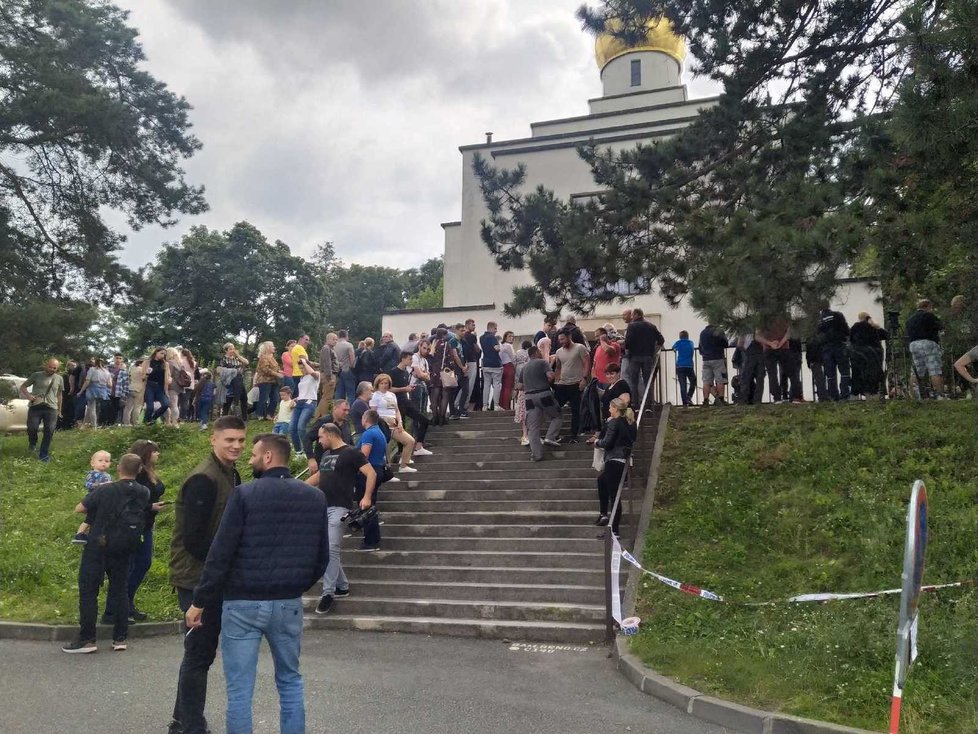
(67, 632)
(731, 715)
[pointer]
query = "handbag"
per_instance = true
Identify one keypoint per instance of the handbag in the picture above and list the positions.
(448, 377)
(598, 461)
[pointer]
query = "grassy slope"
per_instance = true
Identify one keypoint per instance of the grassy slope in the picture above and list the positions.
(786, 500)
(38, 564)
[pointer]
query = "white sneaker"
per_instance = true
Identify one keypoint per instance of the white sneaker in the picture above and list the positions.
(422, 452)
(524, 442)
(406, 469)
(393, 479)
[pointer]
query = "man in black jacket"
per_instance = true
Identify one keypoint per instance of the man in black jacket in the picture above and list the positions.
(642, 341)
(271, 546)
(198, 510)
(833, 334)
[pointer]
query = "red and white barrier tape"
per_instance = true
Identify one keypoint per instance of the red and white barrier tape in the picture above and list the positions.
(799, 599)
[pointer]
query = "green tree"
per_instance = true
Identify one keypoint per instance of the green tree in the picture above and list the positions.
(83, 130)
(754, 209)
(925, 186)
(215, 286)
(359, 295)
(429, 297)
(426, 277)
(33, 331)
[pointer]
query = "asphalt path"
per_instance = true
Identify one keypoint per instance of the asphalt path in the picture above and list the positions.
(355, 682)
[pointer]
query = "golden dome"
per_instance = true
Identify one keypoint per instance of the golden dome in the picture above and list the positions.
(659, 38)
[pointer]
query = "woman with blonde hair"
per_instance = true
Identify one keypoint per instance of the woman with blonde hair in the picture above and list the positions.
(385, 403)
(231, 372)
(617, 440)
(267, 375)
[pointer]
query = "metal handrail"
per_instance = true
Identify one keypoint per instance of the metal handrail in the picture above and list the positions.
(626, 475)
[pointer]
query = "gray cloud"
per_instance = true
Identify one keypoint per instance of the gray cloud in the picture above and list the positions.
(340, 119)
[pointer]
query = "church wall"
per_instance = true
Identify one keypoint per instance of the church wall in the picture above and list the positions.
(631, 100)
(667, 114)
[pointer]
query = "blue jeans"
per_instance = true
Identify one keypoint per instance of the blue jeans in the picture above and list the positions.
(835, 361)
(282, 429)
(243, 624)
(300, 419)
(334, 576)
(204, 411)
(346, 386)
(140, 564)
(155, 394)
(267, 392)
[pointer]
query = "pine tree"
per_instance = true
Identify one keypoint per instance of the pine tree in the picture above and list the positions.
(753, 210)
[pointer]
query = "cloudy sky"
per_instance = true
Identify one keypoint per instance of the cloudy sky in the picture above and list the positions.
(340, 120)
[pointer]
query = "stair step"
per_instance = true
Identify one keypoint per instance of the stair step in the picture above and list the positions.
(492, 531)
(486, 592)
(434, 480)
(464, 609)
(570, 505)
(499, 447)
(451, 516)
(507, 461)
(357, 571)
(502, 629)
(525, 470)
(479, 559)
(496, 545)
(463, 492)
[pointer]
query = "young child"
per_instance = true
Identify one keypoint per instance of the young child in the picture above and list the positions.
(205, 398)
(283, 420)
(100, 461)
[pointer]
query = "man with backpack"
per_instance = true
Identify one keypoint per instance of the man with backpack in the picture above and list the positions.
(118, 513)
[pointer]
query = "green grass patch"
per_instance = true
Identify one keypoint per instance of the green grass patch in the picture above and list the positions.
(38, 563)
(775, 501)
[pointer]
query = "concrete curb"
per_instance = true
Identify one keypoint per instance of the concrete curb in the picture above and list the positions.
(708, 708)
(714, 710)
(67, 632)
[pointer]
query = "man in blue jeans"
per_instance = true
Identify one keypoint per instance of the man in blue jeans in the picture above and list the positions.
(337, 476)
(271, 546)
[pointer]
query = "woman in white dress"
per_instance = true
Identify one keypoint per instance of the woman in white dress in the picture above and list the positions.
(385, 403)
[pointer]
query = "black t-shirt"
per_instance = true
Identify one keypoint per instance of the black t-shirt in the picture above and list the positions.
(615, 391)
(156, 490)
(157, 372)
(400, 378)
(338, 471)
(924, 325)
(79, 374)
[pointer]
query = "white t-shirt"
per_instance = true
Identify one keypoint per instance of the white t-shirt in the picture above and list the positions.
(308, 388)
(385, 403)
(418, 362)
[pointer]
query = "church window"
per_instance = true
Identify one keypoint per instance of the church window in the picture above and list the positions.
(636, 72)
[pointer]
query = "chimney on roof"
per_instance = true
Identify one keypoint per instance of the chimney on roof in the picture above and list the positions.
(488, 137)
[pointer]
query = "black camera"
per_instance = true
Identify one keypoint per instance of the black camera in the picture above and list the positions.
(356, 519)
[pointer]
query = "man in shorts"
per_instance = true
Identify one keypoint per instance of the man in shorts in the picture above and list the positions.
(924, 338)
(713, 353)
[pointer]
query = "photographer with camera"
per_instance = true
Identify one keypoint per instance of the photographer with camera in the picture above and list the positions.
(337, 478)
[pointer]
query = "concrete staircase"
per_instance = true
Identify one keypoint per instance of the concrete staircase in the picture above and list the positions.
(481, 542)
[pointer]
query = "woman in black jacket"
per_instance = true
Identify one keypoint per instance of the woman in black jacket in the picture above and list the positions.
(617, 441)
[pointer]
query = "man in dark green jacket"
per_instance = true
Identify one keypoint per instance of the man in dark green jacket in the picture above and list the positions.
(198, 508)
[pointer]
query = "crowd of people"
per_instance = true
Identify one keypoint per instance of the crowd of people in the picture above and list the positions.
(241, 555)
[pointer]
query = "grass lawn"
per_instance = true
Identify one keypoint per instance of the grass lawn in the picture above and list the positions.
(782, 500)
(38, 563)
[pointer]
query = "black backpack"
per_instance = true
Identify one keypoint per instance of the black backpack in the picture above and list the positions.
(124, 532)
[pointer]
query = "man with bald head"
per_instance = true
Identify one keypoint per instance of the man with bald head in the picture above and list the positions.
(47, 389)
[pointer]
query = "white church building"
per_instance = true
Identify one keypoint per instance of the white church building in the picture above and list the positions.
(644, 99)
